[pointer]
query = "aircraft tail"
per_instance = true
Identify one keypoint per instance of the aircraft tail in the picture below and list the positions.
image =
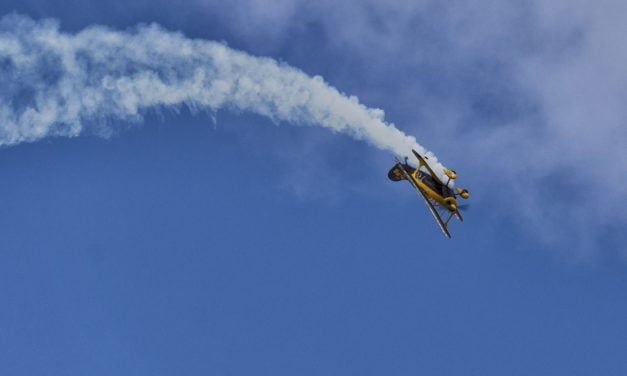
(396, 174)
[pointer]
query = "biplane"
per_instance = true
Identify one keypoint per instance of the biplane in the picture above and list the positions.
(440, 198)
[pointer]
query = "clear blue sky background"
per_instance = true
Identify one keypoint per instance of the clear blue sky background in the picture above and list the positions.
(180, 247)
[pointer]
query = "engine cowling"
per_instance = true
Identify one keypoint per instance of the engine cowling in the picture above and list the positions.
(451, 203)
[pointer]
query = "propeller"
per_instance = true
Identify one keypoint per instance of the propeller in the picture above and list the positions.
(463, 207)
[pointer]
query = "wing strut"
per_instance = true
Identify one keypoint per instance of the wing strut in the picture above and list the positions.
(423, 162)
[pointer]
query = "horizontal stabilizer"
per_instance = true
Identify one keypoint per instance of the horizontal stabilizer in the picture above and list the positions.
(396, 173)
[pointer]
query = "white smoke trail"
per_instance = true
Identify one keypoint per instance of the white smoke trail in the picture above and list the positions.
(58, 84)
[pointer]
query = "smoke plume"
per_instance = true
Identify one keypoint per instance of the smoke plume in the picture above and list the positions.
(60, 84)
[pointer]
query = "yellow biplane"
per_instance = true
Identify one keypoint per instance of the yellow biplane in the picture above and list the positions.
(440, 198)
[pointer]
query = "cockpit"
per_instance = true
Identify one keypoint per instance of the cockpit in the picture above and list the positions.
(440, 189)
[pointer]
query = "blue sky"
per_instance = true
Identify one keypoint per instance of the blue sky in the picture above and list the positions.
(180, 246)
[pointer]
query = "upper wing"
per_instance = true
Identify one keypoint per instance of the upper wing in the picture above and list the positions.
(423, 162)
(430, 204)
